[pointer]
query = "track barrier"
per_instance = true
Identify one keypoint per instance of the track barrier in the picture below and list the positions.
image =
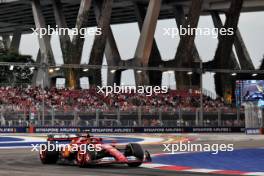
(122, 129)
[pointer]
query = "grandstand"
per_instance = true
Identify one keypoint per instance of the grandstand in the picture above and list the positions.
(35, 106)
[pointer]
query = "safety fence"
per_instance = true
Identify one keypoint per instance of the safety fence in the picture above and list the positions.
(138, 117)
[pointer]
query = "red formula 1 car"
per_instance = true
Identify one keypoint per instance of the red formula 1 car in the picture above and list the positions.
(85, 150)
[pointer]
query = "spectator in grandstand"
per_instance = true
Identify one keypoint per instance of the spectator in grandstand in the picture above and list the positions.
(32, 99)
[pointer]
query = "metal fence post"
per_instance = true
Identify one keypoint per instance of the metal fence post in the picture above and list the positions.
(160, 116)
(180, 117)
(97, 117)
(43, 116)
(219, 117)
(247, 115)
(75, 117)
(118, 115)
(52, 116)
(2, 119)
(140, 116)
(39, 117)
(238, 114)
(197, 117)
(24, 117)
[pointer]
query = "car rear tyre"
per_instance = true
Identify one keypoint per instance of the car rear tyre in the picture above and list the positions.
(48, 157)
(83, 159)
(134, 149)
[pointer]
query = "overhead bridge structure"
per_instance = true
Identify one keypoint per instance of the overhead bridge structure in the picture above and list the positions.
(17, 17)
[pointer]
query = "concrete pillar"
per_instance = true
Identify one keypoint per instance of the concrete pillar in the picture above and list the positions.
(113, 58)
(242, 53)
(6, 41)
(232, 62)
(180, 20)
(112, 55)
(14, 46)
(42, 77)
(81, 20)
(35, 73)
(145, 43)
(155, 59)
(104, 8)
(78, 42)
(224, 50)
(72, 50)
(65, 40)
(184, 54)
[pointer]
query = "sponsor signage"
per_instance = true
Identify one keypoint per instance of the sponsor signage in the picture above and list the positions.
(128, 130)
(140, 130)
(253, 131)
(13, 130)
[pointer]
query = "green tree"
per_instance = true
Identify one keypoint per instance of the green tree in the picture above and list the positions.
(18, 74)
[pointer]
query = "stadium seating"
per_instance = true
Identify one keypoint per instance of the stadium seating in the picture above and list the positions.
(32, 98)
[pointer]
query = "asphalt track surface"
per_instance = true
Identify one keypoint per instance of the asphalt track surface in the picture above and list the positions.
(24, 162)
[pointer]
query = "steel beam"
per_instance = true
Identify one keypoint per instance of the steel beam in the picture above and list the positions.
(112, 55)
(104, 8)
(113, 58)
(242, 53)
(73, 75)
(42, 77)
(72, 50)
(224, 83)
(65, 40)
(155, 59)
(232, 62)
(180, 20)
(184, 54)
(145, 43)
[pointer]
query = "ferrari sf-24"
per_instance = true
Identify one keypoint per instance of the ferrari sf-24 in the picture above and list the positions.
(85, 150)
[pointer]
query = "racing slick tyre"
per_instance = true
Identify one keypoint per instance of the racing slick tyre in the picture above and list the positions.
(84, 159)
(48, 157)
(134, 149)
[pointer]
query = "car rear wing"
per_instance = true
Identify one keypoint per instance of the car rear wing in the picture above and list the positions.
(62, 137)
